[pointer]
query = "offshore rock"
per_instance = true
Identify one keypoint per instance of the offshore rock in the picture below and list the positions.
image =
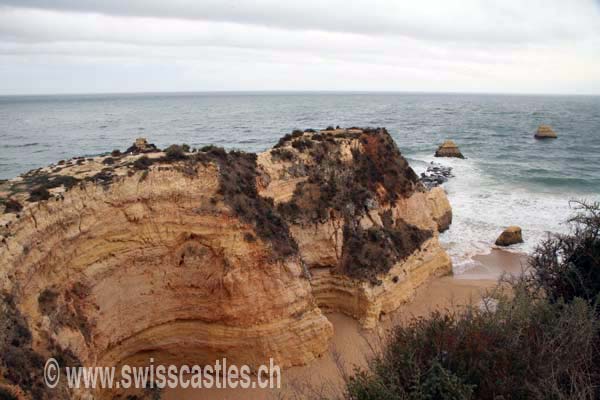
(545, 132)
(448, 149)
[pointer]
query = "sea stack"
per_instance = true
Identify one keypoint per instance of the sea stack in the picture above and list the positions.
(545, 132)
(448, 149)
(511, 235)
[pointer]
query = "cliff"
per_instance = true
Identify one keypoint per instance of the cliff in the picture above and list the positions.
(189, 256)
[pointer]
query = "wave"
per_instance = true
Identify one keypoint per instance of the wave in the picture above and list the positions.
(483, 205)
(16, 146)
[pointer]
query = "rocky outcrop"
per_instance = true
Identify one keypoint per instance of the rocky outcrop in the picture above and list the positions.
(448, 149)
(511, 235)
(366, 228)
(545, 132)
(141, 145)
(189, 256)
(436, 175)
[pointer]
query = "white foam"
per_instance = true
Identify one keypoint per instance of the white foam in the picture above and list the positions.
(482, 207)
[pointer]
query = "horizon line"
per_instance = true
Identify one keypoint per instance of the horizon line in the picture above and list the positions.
(284, 91)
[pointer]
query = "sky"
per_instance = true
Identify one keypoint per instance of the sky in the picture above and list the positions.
(112, 46)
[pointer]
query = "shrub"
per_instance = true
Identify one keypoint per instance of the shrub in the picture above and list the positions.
(214, 150)
(282, 154)
(115, 153)
(108, 161)
(302, 144)
(540, 341)
(237, 185)
(525, 349)
(568, 266)
(175, 152)
(142, 163)
(369, 252)
(38, 193)
(12, 206)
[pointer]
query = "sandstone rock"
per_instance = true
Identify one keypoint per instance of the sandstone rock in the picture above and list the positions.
(187, 261)
(448, 149)
(545, 132)
(141, 145)
(323, 232)
(511, 235)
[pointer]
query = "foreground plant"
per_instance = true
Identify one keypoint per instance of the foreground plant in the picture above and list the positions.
(540, 340)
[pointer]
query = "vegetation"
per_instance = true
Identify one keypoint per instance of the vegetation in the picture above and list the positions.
(538, 340)
(20, 364)
(12, 206)
(282, 154)
(142, 163)
(176, 152)
(38, 193)
(369, 252)
(238, 188)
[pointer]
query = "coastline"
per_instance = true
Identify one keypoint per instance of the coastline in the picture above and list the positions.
(353, 346)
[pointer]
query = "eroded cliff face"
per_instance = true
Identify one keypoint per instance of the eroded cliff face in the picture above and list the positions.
(187, 257)
(367, 229)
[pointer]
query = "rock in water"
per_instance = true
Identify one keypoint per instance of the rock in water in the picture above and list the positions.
(448, 149)
(511, 235)
(141, 145)
(545, 132)
(436, 175)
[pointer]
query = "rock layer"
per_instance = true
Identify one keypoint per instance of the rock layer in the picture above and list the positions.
(188, 257)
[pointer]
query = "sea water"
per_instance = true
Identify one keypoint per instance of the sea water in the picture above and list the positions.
(507, 177)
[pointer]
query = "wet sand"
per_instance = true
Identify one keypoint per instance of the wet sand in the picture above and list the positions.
(353, 346)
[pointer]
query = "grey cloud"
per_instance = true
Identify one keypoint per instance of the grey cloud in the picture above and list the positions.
(495, 21)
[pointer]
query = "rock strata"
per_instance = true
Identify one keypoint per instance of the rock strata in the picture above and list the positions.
(511, 235)
(448, 149)
(187, 257)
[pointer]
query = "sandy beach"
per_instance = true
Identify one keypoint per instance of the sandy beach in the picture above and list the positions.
(353, 346)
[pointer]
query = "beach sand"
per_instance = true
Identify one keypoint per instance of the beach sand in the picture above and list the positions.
(353, 346)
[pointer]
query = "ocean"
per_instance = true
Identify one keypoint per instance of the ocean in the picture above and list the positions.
(507, 178)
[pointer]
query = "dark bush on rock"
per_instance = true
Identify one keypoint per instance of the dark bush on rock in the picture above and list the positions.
(369, 252)
(12, 206)
(282, 154)
(20, 365)
(175, 152)
(142, 163)
(108, 161)
(238, 188)
(38, 193)
(214, 150)
(302, 144)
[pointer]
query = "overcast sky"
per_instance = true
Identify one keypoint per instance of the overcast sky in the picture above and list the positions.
(514, 46)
